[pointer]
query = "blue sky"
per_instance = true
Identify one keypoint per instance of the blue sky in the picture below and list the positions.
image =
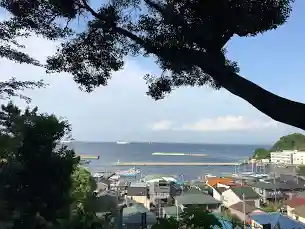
(122, 111)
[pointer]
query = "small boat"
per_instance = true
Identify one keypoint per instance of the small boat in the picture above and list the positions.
(122, 142)
(129, 172)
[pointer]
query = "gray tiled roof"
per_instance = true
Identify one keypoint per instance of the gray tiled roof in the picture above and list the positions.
(247, 191)
(197, 198)
(276, 185)
(172, 211)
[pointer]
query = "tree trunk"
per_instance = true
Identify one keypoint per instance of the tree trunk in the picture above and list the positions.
(276, 107)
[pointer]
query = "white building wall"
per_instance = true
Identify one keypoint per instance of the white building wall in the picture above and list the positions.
(216, 195)
(229, 198)
(284, 157)
(298, 158)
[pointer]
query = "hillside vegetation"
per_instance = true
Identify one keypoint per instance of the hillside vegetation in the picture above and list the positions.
(294, 141)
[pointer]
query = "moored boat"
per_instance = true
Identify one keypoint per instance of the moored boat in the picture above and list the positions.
(129, 172)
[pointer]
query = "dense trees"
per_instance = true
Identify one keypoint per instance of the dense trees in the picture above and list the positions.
(186, 38)
(192, 217)
(35, 175)
(294, 141)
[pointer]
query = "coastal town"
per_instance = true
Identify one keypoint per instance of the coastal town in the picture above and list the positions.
(272, 195)
(257, 200)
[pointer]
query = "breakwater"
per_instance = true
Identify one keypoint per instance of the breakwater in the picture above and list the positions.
(178, 154)
(175, 164)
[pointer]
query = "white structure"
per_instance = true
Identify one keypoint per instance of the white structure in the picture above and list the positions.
(298, 158)
(288, 157)
(284, 157)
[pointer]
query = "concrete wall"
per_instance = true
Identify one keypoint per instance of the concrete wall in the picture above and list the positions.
(229, 198)
(290, 212)
(217, 195)
(239, 214)
(141, 199)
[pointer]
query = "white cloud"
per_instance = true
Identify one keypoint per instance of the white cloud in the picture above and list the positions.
(161, 125)
(223, 123)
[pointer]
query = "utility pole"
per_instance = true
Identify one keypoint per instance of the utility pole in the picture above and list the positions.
(244, 210)
(177, 208)
(181, 177)
(274, 187)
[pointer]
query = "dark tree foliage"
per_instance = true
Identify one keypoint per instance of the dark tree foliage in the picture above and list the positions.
(12, 88)
(187, 38)
(10, 49)
(35, 172)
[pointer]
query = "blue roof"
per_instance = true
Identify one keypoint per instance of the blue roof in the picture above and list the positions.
(276, 219)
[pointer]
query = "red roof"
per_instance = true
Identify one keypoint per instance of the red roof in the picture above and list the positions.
(295, 201)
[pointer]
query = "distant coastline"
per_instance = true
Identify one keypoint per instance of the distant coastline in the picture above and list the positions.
(184, 143)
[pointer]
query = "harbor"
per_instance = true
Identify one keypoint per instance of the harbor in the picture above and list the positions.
(176, 163)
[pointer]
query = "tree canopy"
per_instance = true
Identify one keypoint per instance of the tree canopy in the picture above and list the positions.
(295, 141)
(261, 153)
(10, 49)
(186, 38)
(35, 171)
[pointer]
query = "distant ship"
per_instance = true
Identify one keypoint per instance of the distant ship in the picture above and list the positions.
(122, 142)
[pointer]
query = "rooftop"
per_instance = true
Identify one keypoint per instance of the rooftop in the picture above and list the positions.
(215, 180)
(196, 198)
(300, 210)
(276, 219)
(240, 207)
(248, 192)
(295, 201)
(138, 184)
(172, 211)
(276, 185)
(221, 189)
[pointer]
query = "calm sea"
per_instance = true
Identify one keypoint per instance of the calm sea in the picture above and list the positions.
(111, 152)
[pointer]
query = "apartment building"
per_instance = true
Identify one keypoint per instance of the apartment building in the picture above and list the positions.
(283, 157)
(298, 158)
(288, 157)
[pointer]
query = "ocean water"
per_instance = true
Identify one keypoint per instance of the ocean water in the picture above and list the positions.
(110, 153)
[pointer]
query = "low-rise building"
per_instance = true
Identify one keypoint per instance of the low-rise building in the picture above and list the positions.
(238, 194)
(137, 217)
(274, 220)
(188, 199)
(292, 204)
(172, 211)
(275, 191)
(298, 158)
(299, 213)
(138, 192)
(283, 157)
(242, 210)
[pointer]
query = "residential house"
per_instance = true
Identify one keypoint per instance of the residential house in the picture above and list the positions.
(137, 217)
(242, 210)
(220, 182)
(217, 193)
(163, 190)
(138, 191)
(292, 204)
(172, 211)
(238, 194)
(207, 201)
(274, 220)
(299, 213)
(275, 191)
(219, 185)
